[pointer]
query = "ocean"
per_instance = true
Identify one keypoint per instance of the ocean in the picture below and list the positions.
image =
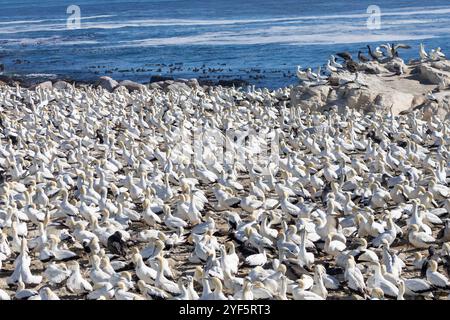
(259, 41)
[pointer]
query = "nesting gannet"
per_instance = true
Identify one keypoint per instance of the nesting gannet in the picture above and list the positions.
(22, 293)
(435, 278)
(76, 283)
(56, 273)
(299, 292)
(378, 280)
(162, 282)
(22, 265)
(143, 272)
(103, 290)
(418, 238)
(354, 277)
(4, 295)
(121, 293)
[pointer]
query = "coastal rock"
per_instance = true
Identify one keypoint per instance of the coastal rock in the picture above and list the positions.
(193, 83)
(435, 73)
(396, 65)
(179, 86)
(443, 65)
(155, 85)
(45, 85)
(418, 100)
(361, 99)
(182, 80)
(233, 82)
(107, 83)
(429, 74)
(372, 67)
(432, 108)
(131, 85)
(61, 85)
(313, 98)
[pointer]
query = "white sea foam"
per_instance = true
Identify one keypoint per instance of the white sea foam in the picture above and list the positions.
(50, 20)
(41, 75)
(44, 25)
(297, 39)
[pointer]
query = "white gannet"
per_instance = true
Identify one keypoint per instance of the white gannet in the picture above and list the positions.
(423, 54)
(76, 283)
(435, 278)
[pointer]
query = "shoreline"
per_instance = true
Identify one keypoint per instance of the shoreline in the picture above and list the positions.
(391, 85)
(30, 82)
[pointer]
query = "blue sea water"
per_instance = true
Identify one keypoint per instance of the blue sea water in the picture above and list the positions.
(260, 41)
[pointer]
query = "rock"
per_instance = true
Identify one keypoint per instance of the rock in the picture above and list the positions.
(233, 82)
(179, 86)
(157, 78)
(131, 85)
(372, 67)
(182, 80)
(396, 65)
(45, 85)
(107, 83)
(61, 85)
(433, 75)
(361, 99)
(418, 100)
(193, 83)
(443, 65)
(155, 85)
(313, 98)
(206, 83)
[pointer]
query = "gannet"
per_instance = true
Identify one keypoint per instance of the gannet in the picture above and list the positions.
(419, 239)
(299, 292)
(435, 278)
(302, 75)
(76, 283)
(423, 54)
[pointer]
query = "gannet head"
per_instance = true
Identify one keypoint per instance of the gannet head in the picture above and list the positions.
(432, 265)
(377, 293)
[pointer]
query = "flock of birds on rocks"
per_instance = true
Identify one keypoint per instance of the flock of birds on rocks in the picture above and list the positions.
(383, 54)
(127, 195)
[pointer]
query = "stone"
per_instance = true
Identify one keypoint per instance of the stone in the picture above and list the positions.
(193, 83)
(372, 67)
(107, 83)
(233, 82)
(179, 86)
(155, 85)
(435, 73)
(313, 98)
(131, 85)
(45, 85)
(61, 85)
(443, 65)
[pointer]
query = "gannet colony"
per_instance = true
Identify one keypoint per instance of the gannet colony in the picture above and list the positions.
(336, 188)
